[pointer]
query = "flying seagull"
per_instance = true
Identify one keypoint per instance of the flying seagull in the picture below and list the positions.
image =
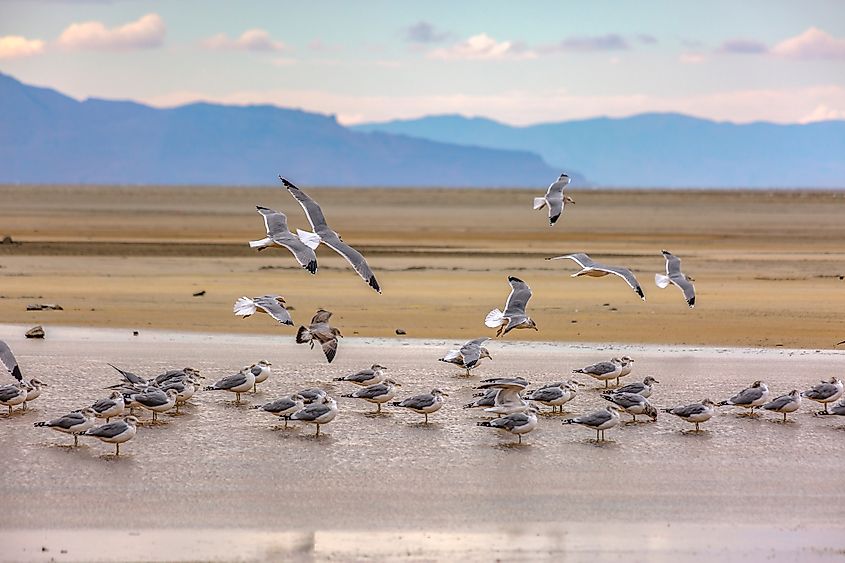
(8, 360)
(469, 355)
(675, 276)
(514, 315)
(320, 331)
(595, 270)
(555, 199)
(322, 233)
(278, 234)
(273, 305)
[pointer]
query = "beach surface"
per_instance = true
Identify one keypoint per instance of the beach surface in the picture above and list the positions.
(769, 266)
(219, 483)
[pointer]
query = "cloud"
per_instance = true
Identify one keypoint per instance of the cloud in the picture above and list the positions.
(145, 33)
(586, 44)
(646, 39)
(742, 47)
(249, 40)
(483, 47)
(424, 32)
(524, 107)
(15, 46)
(692, 58)
(812, 44)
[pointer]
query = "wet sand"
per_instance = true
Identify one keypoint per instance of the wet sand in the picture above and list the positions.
(769, 267)
(219, 483)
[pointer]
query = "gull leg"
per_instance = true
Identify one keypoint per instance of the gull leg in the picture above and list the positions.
(237, 398)
(784, 417)
(155, 417)
(519, 438)
(825, 408)
(75, 440)
(597, 435)
(24, 406)
(254, 387)
(607, 384)
(117, 448)
(318, 430)
(696, 427)
(379, 407)
(426, 418)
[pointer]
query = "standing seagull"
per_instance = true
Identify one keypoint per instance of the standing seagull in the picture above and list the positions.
(279, 235)
(9, 361)
(750, 398)
(695, 413)
(283, 407)
(514, 315)
(72, 423)
(115, 432)
(261, 371)
(785, 403)
(599, 421)
(107, 408)
(554, 396)
(518, 423)
(322, 233)
(13, 395)
(238, 383)
(595, 270)
(317, 413)
(645, 388)
(555, 199)
(371, 376)
(424, 404)
(675, 276)
(603, 371)
(633, 404)
(273, 305)
(320, 331)
(378, 393)
(825, 392)
(469, 355)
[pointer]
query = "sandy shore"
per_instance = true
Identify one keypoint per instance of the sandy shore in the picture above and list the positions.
(219, 478)
(769, 267)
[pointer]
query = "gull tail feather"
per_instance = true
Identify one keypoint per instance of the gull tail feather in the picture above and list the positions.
(661, 280)
(539, 202)
(303, 335)
(311, 240)
(244, 307)
(261, 244)
(494, 318)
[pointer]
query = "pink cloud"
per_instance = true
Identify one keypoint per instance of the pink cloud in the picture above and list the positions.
(483, 47)
(15, 46)
(811, 44)
(249, 40)
(144, 33)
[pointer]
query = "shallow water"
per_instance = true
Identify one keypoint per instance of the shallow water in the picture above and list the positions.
(223, 466)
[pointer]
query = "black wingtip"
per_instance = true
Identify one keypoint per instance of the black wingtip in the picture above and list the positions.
(311, 266)
(299, 338)
(691, 304)
(639, 291)
(514, 279)
(286, 183)
(374, 284)
(553, 220)
(17, 373)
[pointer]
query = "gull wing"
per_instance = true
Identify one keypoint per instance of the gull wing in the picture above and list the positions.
(626, 275)
(330, 348)
(355, 258)
(518, 298)
(471, 351)
(130, 377)
(747, 396)
(321, 316)
(418, 401)
(8, 360)
(311, 412)
(673, 263)
(554, 198)
(311, 208)
(304, 254)
(557, 186)
(594, 418)
(109, 430)
(689, 410)
(579, 258)
(274, 306)
(230, 381)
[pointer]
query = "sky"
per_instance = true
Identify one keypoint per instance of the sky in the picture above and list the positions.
(516, 62)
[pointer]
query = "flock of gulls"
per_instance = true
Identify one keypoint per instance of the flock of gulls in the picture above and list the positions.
(514, 405)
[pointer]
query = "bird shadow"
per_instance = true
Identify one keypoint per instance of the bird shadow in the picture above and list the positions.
(377, 414)
(511, 446)
(423, 425)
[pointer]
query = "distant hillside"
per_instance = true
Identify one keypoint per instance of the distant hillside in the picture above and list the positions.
(659, 150)
(47, 137)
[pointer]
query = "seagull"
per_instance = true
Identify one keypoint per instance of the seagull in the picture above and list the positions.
(825, 392)
(130, 378)
(320, 331)
(9, 361)
(273, 305)
(632, 403)
(469, 355)
(487, 399)
(509, 397)
(312, 395)
(72, 423)
(185, 389)
(371, 376)
(378, 393)
(156, 400)
(107, 408)
(599, 420)
(675, 276)
(278, 234)
(317, 413)
(283, 407)
(603, 371)
(424, 404)
(695, 413)
(785, 403)
(555, 199)
(644, 388)
(238, 383)
(553, 396)
(116, 432)
(750, 398)
(518, 423)
(13, 395)
(596, 270)
(514, 315)
(322, 233)
(33, 391)
(261, 371)
(837, 409)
